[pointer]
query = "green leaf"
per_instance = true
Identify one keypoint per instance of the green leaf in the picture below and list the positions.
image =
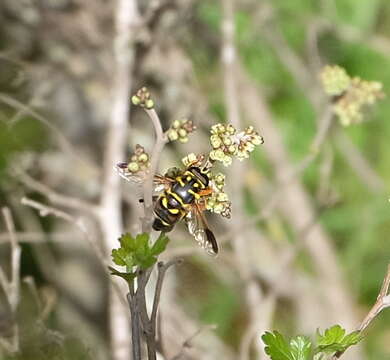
(334, 340)
(142, 240)
(137, 252)
(129, 277)
(147, 262)
(160, 244)
(127, 242)
(122, 257)
(277, 347)
(300, 347)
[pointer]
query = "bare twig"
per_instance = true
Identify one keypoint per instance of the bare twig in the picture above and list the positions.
(11, 286)
(382, 302)
(149, 331)
(55, 197)
(135, 326)
(45, 210)
(162, 268)
(138, 302)
(63, 142)
(161, 140)
(33, 237)
(188, 342)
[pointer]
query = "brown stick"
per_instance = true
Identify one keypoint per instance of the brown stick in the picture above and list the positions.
(382, 302)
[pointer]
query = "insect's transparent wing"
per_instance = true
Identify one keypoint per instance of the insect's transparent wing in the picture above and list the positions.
(123, 170)
(159, 182)
(203, 236)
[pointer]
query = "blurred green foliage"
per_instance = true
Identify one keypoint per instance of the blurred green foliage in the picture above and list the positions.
(359, 223)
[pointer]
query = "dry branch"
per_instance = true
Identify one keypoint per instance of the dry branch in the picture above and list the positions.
(11, 285)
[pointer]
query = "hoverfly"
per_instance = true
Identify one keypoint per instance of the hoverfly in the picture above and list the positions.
(183, 195)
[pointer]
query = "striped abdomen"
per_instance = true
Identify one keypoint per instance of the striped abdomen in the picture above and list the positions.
(174, 203)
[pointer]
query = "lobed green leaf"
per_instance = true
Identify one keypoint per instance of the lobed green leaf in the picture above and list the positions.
(128, 276)
(334, 340)
(300, 347)
(160, 244)
(276, 346)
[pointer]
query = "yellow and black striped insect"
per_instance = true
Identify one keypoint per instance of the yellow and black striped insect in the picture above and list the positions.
(183, 197)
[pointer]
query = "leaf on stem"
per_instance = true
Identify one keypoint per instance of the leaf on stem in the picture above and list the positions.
(278, 348)
(335, 340)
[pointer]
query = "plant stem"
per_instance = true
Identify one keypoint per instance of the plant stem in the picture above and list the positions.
(161, 140)
(135, 326)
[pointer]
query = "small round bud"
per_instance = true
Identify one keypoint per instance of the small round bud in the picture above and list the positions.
(133, 167)
(173, 135)
(215, 141)
(135, 100)
(227, 160)
(176, 124)
(217, 155)
(257, 140)
(232, 149)
(182, 133)
(149, 104)
(227, 141)
(230, 129)
(143, 158)
(221, 197)
(183, 139)
(219, 178)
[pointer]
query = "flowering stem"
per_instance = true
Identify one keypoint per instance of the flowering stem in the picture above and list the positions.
(161, 140)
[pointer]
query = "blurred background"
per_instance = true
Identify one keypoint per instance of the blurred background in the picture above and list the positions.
(307, 246)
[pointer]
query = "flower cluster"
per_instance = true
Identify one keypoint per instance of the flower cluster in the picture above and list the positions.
(335, 80)
(139, 160)
(142, 98)
(227, 143)
(218, 202)
(349, 108)
(180, 129)
(351, 95)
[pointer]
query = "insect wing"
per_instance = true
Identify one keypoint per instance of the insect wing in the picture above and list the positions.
(159, 182)
(123, 170)
(203, 236)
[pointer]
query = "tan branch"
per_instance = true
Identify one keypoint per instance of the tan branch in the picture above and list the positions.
(11, 286)
(161, 140)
